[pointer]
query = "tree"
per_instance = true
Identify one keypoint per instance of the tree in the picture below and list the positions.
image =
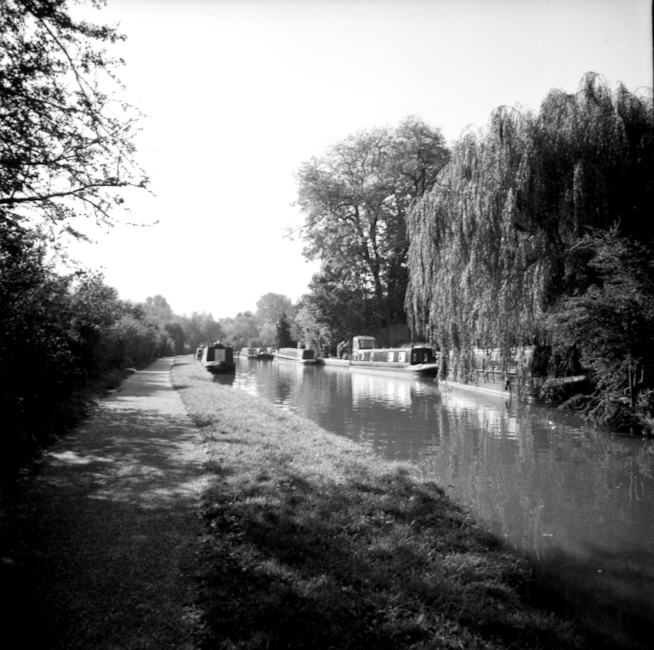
(284, 338)
(611, 324)
(199, 328)
(314, 333)
(66, 146)
(340, 306)
(157, 308)
(177, 336)
(493, 244)
(272, 306)
(242, 330)
(355, 198)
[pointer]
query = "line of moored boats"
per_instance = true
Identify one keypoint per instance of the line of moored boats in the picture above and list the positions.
(415, 360)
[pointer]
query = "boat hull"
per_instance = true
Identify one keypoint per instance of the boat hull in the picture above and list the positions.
(220, 367)
(328, 361)
(401, 369)
(299, 355)
(307, 362)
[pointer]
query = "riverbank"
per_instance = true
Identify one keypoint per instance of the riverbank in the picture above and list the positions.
(312, 541)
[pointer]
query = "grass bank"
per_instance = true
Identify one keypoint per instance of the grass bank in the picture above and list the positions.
(314, 542)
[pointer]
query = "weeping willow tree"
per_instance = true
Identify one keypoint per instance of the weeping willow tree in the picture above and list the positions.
(492, 244)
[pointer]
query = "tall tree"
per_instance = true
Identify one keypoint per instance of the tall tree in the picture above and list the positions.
(493, 243)
(284, 338)
(66, 147)
(272, 306)
(340, 306)
(157, 308)
(355, 198)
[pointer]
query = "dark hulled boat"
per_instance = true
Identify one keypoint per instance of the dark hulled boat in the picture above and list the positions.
(218, 358)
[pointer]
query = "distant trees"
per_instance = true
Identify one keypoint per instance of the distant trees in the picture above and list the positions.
(58, 333)
(356, 197)
(272, 306)
(242, 330)
(200, 328)
(271, 309)
(157, 308)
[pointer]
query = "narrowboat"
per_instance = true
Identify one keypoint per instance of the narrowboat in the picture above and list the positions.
(218, 358)
(248, 353)
(417, 360)
(264, 354)
(301, 355)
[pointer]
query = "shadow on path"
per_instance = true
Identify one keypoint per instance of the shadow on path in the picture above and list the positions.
(98, 547)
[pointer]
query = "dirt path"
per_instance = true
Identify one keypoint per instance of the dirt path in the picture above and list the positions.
(98, 547)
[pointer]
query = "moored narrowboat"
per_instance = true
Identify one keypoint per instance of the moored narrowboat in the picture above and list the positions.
(301, 355)
(218, 358)
(248, 353)
(417, 360)
(264, 354)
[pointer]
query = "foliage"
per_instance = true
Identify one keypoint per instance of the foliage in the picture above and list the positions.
(283, 338)
(58, 333)
(134, 340)
(66, 146)
(611, 324)
(272, 306)
(242, 330)
(314, 334)
(158, 309)
(493, 243)
(35, 351)
(336, 308)
(66, 153)
(200, 328)
(355, 198)
(177, 336)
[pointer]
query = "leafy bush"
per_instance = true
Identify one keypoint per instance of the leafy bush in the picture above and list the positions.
(612, 326)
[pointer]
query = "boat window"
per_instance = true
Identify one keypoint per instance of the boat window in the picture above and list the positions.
(401, 357)
(389, 356)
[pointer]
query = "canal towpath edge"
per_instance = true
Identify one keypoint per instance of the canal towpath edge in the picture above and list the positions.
(99, 542)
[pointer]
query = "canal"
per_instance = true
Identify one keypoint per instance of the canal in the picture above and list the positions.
(577, 500)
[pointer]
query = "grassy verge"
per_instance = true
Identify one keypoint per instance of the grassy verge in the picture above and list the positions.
(314, 542)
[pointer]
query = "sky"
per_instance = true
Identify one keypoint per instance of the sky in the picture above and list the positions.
(237, 94)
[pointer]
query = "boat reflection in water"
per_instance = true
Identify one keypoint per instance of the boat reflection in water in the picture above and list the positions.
(577, 500)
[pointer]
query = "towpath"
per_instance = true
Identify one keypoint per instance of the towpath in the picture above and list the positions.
(99, 544)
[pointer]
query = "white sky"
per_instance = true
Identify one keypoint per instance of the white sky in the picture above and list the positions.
(239, 93)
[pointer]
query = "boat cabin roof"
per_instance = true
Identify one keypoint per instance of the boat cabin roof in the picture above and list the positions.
(364, 342)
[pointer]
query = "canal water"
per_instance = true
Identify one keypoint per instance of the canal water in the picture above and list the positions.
(577, 500)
